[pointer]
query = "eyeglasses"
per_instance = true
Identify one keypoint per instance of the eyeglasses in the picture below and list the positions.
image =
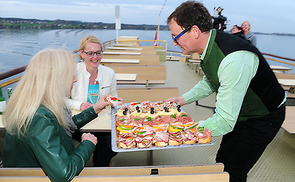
(91, 54)
(181, 33)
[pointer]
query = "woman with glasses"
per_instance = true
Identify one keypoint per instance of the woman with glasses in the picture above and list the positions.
(93, 78)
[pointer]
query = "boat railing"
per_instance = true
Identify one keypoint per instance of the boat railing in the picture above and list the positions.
(283, 59)
(107, 44)
(13, 72)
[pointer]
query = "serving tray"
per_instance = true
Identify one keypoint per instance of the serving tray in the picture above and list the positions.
(115, 147)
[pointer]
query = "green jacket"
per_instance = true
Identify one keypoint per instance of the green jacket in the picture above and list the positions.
(48, 146)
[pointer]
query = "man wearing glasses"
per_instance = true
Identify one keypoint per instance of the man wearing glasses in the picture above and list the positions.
(250, 105)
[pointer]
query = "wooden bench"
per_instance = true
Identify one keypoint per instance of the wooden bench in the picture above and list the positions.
(208, 177)
(210, 172)
(289, 126)
(146, 74)
(123, 171)
(284, 76)
(147, 94)
(125, 48)
(143, 59)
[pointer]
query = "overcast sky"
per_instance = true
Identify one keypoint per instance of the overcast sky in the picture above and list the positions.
(265, 16)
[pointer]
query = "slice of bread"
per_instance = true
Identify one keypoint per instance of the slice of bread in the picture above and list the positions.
(173, 142)
(161, 144)
(123, 145)
(205, 140)
(189, 142)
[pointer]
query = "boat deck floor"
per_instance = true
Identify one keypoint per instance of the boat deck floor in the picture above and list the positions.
(277, 163)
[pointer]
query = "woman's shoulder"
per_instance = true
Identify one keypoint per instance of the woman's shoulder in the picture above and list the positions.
(42, 119)
(44, 112)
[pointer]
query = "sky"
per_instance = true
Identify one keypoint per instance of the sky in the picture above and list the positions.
(267, 16)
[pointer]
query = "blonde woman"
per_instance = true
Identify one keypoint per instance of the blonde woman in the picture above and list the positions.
(246, 26)
(93, 78)
(39, 124)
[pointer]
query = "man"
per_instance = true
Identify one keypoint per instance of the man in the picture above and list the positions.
(249, 102)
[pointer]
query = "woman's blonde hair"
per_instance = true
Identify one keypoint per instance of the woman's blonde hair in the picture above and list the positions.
(85, 40)
(47, 80)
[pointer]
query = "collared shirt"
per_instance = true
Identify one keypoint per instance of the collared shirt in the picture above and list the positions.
(235, 74)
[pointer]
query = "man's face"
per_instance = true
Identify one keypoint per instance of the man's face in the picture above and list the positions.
(184, 41)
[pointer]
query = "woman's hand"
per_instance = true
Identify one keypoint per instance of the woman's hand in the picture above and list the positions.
(85, 106)
(90, 137)
(178, 100)
(101, 104)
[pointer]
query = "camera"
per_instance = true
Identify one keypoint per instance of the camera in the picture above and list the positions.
(219, 21)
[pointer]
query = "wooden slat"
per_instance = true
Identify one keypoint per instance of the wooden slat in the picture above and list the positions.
(208, 177)
(143, 51)
(122, 171)
(146, 170)
(143, 59)
(21, 172)
(147, 94)
(149, 73)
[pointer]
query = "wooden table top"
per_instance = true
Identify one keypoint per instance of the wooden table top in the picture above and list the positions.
(287, 82)
(102, 123)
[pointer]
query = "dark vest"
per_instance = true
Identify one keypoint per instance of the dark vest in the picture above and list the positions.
(264, 93)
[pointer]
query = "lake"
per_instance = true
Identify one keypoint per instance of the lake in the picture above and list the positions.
(19, 45)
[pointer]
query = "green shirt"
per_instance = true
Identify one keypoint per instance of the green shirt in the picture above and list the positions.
(235, 74)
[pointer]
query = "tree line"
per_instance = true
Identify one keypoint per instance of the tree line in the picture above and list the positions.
(20, 23)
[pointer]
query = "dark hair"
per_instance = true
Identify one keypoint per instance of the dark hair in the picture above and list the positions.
(192, 13)
(240, 28)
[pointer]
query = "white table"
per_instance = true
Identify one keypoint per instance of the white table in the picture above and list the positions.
(125, 76)
(287, 82)
(280, 68)
(102, 123)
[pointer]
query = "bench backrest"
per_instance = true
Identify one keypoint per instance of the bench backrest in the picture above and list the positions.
(144, 73)
(143, 60)
(143, 51)
(123, 171)
(147, 94)
(208, 177)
